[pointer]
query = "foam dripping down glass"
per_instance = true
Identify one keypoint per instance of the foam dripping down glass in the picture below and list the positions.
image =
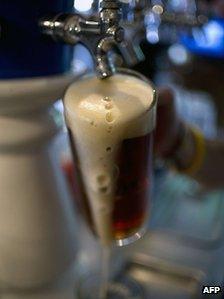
(111, 125)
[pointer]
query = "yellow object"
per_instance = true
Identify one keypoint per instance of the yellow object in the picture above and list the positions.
(200, 150)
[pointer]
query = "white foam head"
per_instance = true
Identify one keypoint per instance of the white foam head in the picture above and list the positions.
(101, 114)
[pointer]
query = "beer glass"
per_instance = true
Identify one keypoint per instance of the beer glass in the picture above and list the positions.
(111, 125)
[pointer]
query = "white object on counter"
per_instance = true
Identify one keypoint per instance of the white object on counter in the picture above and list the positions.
(37, 224)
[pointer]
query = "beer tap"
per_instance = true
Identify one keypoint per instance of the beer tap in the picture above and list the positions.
(144, 16)
(168, 14)
(135, 31)
(99, 36)
(191, 18)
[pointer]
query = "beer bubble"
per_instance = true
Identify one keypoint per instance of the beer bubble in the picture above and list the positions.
(102, 179)
(108, 149)
(109, 129)
(109, 117)
(108, 106)
(103, 190)
(92, 123)
(103, 183)
(106, 99)
(116, 171)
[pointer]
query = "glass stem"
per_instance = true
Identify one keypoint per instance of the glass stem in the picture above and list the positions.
(105, 272)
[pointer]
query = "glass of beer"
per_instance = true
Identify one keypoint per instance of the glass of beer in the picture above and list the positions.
(110, 124)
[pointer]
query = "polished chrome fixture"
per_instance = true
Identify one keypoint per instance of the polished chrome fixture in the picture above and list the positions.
(99, 36)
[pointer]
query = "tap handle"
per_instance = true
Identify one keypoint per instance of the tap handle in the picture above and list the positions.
(98, 36)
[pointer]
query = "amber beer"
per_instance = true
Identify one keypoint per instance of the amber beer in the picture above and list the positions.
(132, 197)
(133, 188)
(112, 153)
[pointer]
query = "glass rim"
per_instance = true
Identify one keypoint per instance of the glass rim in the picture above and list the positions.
(133, 73)
(138, 75)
